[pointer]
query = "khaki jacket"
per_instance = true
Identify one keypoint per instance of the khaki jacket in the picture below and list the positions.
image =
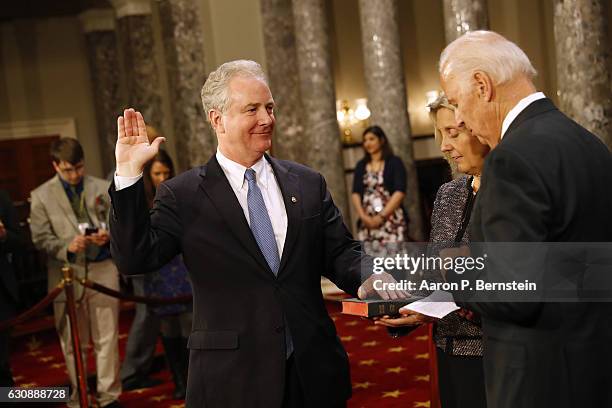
(54, 225)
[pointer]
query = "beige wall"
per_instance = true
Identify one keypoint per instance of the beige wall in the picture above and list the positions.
(44, 75)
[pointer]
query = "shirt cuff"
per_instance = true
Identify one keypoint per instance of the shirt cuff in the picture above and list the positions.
(122, 182)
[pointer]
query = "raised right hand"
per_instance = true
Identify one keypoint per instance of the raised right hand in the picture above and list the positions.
(133, 150)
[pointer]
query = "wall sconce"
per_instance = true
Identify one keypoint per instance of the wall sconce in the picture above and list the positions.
(349, 118)
(361, 110)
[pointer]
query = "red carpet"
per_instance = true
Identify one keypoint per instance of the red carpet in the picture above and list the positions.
(386, 372)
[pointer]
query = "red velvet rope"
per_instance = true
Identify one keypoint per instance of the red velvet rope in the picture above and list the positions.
(139, 299)
(34, 309)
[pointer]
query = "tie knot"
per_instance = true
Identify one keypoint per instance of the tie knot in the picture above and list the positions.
(250, 175)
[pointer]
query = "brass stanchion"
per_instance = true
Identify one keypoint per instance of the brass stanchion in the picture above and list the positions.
(74, 334)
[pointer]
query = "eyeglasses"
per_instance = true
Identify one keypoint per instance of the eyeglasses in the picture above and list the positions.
(77, 169)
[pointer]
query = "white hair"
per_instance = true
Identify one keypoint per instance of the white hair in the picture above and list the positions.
(485, 51)
(215, 92)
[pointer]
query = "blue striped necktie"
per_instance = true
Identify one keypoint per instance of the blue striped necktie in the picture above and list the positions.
(260, 222)
(261, 225)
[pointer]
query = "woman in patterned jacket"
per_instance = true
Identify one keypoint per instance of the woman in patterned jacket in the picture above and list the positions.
(458, 336)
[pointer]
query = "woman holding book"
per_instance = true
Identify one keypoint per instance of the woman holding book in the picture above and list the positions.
(458, 336)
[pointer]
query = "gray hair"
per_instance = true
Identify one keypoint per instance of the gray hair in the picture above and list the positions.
(215, 92)
(485, 51)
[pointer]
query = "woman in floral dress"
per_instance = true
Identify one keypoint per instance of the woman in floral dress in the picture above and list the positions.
(379, 188)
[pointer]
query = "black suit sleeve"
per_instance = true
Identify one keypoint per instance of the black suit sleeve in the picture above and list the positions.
(143, 241)
(344, 258)
(514, 206)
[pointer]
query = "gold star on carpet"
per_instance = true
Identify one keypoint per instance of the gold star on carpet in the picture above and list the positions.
(421, 378)
(159, 398)
(395, 370)
(423, 356)
(353, 323)
(373, 328)
(177, 406)
(28, 385)
(57, 365)
(423, 404)
(364, 385)
(46, 359)
(33, 344)
(367, 362)
(392, 394)
(422, 338)
(35, 353)
(347, 338)
(397, 349)
(372, 343)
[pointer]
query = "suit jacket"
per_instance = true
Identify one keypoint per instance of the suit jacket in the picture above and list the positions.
(549, 180)
(237, 356)
(13, 243)
(54, 225)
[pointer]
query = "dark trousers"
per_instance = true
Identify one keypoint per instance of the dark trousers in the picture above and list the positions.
(294, 394)
(461, 381)
(140, 348)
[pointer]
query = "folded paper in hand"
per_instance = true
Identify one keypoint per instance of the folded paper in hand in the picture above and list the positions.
(438, 305)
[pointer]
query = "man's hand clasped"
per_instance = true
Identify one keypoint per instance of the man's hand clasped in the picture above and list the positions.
(80, 242)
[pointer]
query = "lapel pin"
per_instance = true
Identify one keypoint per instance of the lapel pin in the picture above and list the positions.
(293, 199)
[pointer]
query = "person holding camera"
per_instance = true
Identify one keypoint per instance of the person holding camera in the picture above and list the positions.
(68, 221)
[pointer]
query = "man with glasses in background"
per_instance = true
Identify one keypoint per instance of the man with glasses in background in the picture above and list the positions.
(69, 215)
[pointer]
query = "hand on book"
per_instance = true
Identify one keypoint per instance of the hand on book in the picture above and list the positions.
(379, 285)
(408, 318)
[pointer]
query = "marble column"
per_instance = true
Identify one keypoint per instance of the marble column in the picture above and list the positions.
(584, 66)
(195, 141)
(461, 16)
(142, 82)
(386, 88)
(99, 29)
(282, 67)
(316, 80)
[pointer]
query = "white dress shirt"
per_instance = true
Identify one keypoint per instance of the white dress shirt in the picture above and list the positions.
(234, 172)
(518, 108)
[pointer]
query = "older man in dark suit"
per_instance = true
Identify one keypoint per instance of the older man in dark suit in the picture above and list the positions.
(256, 234)
(547, 179)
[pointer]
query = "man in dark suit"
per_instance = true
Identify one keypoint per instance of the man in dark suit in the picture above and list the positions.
(11, 242)
(256, 234)
(547, 179)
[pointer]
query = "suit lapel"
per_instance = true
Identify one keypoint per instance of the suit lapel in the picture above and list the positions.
(61, 198)
(289, 187)
(216, 186)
